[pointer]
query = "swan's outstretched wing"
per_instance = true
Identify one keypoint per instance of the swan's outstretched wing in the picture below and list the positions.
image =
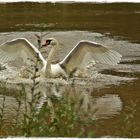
(18, 51)
(85, 52)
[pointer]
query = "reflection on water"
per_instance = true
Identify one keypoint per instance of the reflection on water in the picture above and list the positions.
(106, 106)
(104, 23)
(103, 107)
(9, 104)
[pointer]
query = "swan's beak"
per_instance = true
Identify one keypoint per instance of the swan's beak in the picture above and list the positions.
(47, 43)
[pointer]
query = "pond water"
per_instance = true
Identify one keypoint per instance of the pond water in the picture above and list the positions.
(115, 25)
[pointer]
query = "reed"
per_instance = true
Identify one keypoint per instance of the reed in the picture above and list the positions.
(2, 114)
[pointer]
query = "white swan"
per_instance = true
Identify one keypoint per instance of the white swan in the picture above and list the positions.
(80, 56)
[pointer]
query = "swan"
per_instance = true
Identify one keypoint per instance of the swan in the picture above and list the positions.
(79, 57)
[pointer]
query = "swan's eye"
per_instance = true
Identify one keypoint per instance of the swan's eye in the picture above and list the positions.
(47, 43)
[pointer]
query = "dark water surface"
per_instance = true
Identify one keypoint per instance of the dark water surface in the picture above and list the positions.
(116, 21)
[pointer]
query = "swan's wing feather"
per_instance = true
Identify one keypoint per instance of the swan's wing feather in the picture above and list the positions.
(85, 52)
(19, 49)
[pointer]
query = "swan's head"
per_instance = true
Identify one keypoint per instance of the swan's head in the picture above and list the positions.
(51, 41)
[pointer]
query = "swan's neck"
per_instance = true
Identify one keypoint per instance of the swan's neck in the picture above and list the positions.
(50, 57)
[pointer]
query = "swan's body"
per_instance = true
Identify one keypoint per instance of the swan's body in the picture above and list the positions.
(79, 57)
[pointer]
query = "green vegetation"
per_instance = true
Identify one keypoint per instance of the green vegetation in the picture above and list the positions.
(129, 124)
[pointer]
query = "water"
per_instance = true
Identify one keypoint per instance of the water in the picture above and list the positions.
(114, 25)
